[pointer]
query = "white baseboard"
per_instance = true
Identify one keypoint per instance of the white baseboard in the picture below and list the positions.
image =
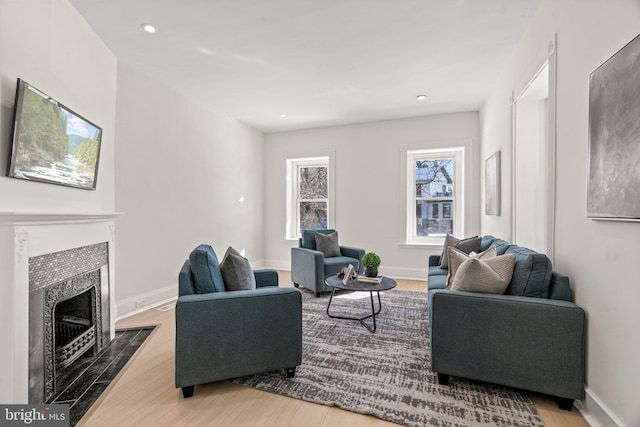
(404, 273)
(277, 264)
(143, 302)
(257, 264)
(595, 412)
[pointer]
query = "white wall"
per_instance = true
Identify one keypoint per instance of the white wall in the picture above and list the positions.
(182, 172)
(48, 44)
(601, 258)
(370, 184)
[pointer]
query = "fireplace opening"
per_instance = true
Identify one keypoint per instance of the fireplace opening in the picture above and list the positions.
(75, 329)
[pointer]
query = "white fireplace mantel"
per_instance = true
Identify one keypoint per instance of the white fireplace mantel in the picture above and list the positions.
(24, 235)
(38, 218)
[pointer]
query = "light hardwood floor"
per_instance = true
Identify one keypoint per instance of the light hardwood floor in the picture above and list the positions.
(144, 393)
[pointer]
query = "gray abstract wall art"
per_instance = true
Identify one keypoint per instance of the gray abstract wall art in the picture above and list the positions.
(614, 137)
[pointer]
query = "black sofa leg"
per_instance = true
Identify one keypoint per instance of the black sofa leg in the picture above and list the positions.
(443, 379)
(291, 372)
(187, 391)
(565, 404)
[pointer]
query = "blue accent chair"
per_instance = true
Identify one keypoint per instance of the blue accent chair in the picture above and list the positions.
(228, 334)
(309, 267)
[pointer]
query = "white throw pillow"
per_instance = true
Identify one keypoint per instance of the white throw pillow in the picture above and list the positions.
(457, 257)
(490, 276)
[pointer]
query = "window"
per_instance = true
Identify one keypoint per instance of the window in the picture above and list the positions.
(308, 195)
(435, 194)
(446, 210)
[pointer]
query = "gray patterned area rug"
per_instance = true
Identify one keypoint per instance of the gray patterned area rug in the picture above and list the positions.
(387, 374)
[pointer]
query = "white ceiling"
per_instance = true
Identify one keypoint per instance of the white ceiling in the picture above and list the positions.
(321, 62)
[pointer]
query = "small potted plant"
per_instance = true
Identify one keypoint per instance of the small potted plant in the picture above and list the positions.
(371, 262)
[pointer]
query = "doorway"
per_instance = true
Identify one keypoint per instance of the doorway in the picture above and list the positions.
(533, 174)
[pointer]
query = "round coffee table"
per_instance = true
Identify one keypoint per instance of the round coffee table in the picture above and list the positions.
(385, 284)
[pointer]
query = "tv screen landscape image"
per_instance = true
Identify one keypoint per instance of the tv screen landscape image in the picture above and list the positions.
(51, 143)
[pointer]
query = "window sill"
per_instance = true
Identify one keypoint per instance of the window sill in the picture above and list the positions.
(417, 245)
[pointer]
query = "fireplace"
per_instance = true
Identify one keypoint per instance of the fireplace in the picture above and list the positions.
(58, 306)
(67, 319)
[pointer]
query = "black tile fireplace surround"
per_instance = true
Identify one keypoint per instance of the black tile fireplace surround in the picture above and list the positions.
(68, 314)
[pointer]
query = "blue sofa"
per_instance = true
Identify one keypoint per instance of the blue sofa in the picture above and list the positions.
(228, 334)
(532, 337)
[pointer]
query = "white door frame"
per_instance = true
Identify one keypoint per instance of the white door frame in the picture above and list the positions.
(549, 63)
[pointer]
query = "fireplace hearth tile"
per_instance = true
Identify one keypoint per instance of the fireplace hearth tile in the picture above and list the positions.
(86, 382)
(101, 364)
(116, 366)
(81, 406)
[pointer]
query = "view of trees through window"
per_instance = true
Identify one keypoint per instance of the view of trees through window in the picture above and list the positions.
(313, 197)
(434, 196)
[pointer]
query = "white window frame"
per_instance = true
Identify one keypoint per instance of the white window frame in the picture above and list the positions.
(293, 166)
(458, 155)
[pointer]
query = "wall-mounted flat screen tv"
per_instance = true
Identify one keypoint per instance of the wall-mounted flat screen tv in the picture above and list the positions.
(51, 143)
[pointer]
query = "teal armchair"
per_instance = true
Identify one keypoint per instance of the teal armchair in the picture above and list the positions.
(228, 334)
(309, 267)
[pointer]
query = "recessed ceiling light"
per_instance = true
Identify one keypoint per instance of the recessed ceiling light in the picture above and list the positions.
(283, 115)
(421, 97)
(148, 28)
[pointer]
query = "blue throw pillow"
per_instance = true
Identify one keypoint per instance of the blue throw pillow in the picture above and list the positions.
(206, 270)
(531, 274)
(500, 245)
(486, 242)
